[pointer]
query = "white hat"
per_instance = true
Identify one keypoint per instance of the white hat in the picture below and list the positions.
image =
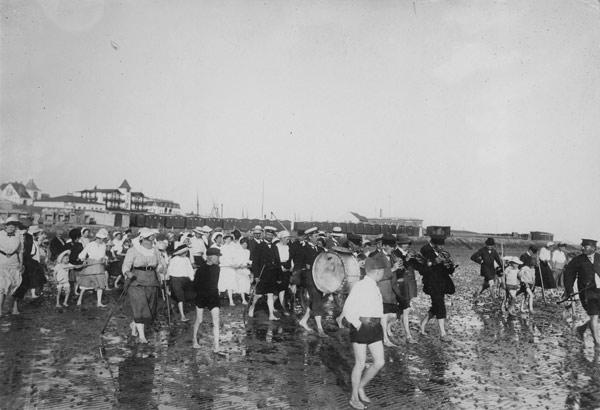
(62, 254)
(550, 243)
(336, 231)
(145, 233)
(12, 220)
(257, 228)
(84, 228)
(271, 229)
(215, 235)
(117, 233)
(310, 231)
(283, 234)
(102, 233)
(33, 229)
(206, 229)
(513, 259)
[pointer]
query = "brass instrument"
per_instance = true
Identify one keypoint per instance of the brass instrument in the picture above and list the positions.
(395, 259)
(446, 259)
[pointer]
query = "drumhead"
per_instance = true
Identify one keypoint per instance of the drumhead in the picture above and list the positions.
(328, 272)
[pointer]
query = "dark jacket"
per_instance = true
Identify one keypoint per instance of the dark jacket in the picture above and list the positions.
(267, 255)
(57, 246)
(436, 275)
(582, 270)
(486, 258)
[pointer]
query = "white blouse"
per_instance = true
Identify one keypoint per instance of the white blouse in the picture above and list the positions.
(93, 250)
(364, 300)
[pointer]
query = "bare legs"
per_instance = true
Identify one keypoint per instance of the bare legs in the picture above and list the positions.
(441, 325)
(181, 312)
(386, 321)
(216, 325)
(360, 380)
(270, 305)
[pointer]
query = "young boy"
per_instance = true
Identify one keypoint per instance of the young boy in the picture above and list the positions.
(206, 283)
(61, 277)
(526, 276)
(363, 310)
(511, 282)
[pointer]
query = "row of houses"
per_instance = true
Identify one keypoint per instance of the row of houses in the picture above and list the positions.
(121, 199)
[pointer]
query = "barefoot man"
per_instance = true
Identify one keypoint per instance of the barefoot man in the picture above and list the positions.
(206, 283)
(363, 310)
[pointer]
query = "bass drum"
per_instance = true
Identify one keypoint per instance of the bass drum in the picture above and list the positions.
(335, 272)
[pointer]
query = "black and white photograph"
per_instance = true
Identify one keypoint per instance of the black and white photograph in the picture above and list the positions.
(240, 204)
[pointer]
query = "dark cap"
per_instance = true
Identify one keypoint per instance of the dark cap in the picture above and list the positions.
(490, 242)
(213, 251)
(403, 239)
(379, 261)
(588, 242)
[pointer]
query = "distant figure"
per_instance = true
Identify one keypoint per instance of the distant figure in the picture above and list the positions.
(489, 259)
(585, 270)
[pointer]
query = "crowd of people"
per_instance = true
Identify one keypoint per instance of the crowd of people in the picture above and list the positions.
(200, 266)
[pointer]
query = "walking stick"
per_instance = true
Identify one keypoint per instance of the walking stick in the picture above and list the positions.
(542, 283)
(112, 310)
(251, 294)
(570, 297)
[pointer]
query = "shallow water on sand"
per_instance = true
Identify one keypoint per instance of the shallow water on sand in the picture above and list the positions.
(54, 358)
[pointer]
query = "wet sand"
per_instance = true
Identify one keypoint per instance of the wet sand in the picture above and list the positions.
(50, 358)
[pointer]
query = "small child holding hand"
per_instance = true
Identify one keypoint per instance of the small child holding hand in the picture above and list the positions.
(527, 277)
(61, 277)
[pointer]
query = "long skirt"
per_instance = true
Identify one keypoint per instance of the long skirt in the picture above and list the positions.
(92, 277)
(227, 279)
(546, 275)
(10, 279)
(242, 278)
(143, 300)
(33, 278)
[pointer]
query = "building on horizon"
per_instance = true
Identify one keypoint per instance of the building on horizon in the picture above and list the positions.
(19, 193)
(162, 206)
(124, 199)
(115, 199)
(70, 202)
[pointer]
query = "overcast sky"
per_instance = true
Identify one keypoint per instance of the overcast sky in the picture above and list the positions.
(481, 115)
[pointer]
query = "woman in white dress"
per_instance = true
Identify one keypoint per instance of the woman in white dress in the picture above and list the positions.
(228, 262)
(93, 275)
(242, 273)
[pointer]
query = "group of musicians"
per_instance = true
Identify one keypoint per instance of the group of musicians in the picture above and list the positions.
(274, 274)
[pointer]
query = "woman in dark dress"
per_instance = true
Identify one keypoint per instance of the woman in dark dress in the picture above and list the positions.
(33, 275)
(76, 247)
